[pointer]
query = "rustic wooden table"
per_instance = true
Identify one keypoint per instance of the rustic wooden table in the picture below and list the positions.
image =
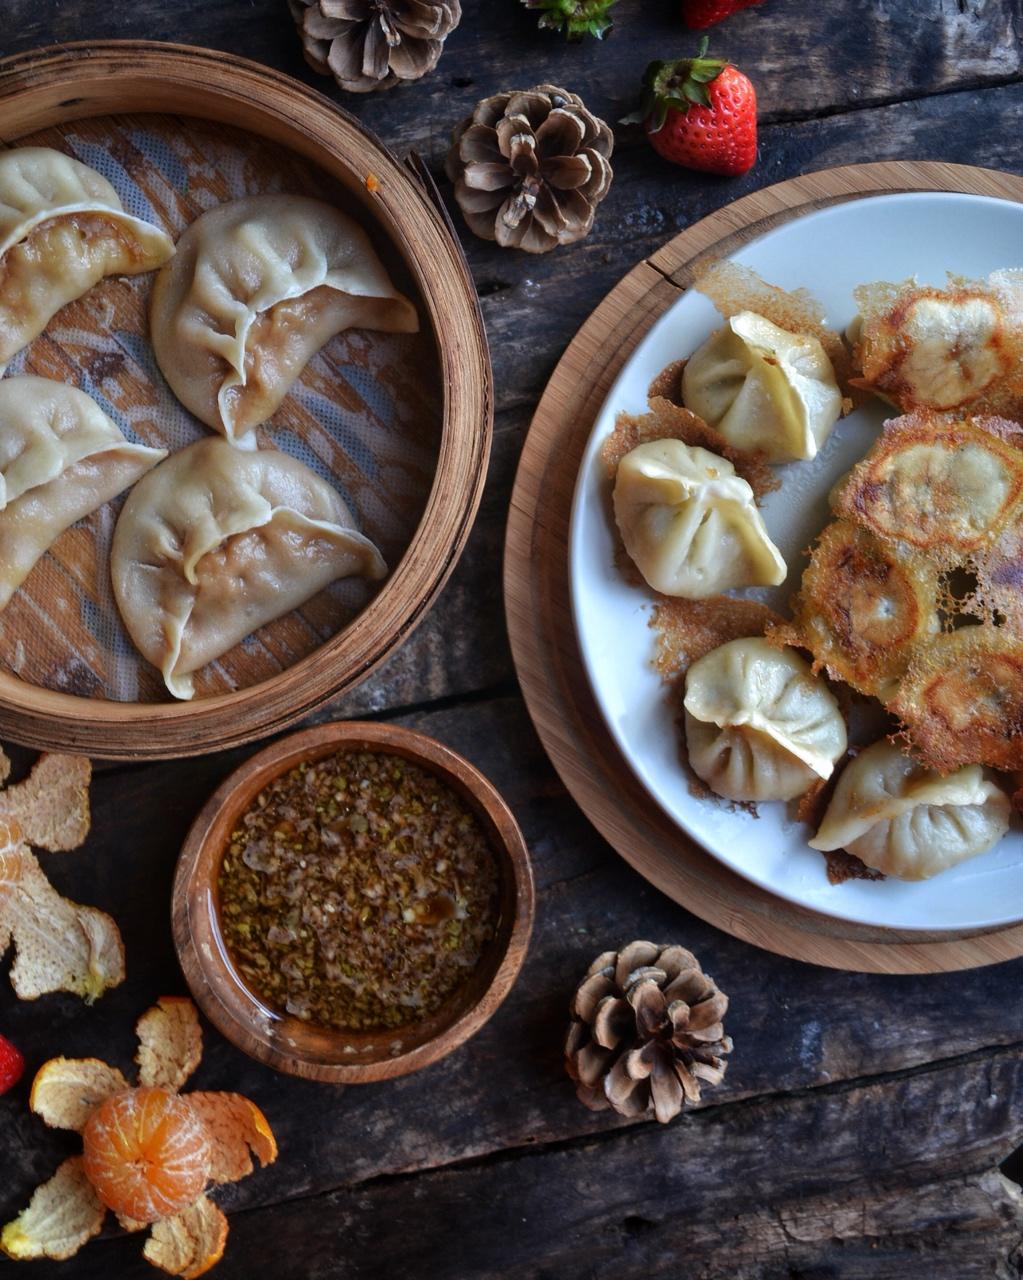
(863, 1121)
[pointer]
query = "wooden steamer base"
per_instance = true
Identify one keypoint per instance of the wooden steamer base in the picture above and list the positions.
(537, 596)
(219, 120)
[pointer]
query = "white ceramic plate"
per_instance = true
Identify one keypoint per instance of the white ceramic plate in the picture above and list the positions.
(828, 251)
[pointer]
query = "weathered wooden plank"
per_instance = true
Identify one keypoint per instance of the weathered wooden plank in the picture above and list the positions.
(795, 1026)
(803, 60)
(533, 305)
(893, 1178)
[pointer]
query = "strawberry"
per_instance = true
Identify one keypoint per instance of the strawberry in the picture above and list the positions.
(576, 18)
(700, 113)
(12, 1064)
(704, 13)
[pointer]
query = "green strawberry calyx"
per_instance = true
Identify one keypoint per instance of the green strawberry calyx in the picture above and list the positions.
(676, 86)
(576, 18)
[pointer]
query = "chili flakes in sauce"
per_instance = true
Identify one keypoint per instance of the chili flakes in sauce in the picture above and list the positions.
(357, 892)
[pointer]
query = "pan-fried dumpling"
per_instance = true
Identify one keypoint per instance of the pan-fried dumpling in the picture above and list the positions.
(759, 724)
(938, 483)
(61, 457)
(906, 820)
(690, 523)
(864, 606)
(958, 347)
(217, 543)
(764, 388)
(62, 229)
(256, 288)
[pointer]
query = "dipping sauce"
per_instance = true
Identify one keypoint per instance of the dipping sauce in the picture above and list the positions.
(357, 892)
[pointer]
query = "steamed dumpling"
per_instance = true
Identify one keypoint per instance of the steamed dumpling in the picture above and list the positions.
(217, 543)
(690, 523)
(908, 821)
(764, 388)
(62, 229)
(759, 724)
(255, 290)
(61, 457)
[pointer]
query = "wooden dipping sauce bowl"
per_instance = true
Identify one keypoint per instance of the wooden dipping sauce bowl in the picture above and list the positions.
(319, 1053)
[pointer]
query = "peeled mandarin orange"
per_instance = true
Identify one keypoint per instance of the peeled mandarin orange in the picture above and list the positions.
(147, 1153)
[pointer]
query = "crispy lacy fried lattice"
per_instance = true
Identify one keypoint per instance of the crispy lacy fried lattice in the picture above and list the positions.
(962, 700)
(915, 594)
(149, 1151)
(958, 348)
(733, 288)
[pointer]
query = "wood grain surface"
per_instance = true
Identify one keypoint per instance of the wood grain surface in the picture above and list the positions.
(860, 1128)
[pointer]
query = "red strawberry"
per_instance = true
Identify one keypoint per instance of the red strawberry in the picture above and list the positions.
(701, 113)
(12, 1064)
(704, 13)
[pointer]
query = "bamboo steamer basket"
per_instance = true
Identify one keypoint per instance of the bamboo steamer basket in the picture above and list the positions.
(271, 130)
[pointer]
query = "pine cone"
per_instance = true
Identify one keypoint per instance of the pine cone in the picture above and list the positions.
(530, 168)
(646, 1029)
(374, 44)
(575, 17)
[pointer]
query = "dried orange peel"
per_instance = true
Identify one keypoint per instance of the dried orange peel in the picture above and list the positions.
(149, 1152)
(170, 1043)
(59, 945)
(52, 805)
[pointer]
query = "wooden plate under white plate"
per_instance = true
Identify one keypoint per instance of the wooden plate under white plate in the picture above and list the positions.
(539, 618)
(400, 424)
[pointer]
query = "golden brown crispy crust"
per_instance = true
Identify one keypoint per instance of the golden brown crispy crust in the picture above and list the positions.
(962, 700)
(915, 594)
(889, 358)
(668, 383)
(862, 606)
(912, 485)
(843, 866)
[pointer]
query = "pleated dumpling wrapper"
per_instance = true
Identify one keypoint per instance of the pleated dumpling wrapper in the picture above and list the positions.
(906, 820)
(690, 524)
(61, 458)
(62, 229)
(764, 388)
(218, 542)
(256, 288)
(759, 724)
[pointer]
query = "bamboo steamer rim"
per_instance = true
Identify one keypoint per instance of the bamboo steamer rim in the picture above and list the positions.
(60, 84)
(541, 631)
